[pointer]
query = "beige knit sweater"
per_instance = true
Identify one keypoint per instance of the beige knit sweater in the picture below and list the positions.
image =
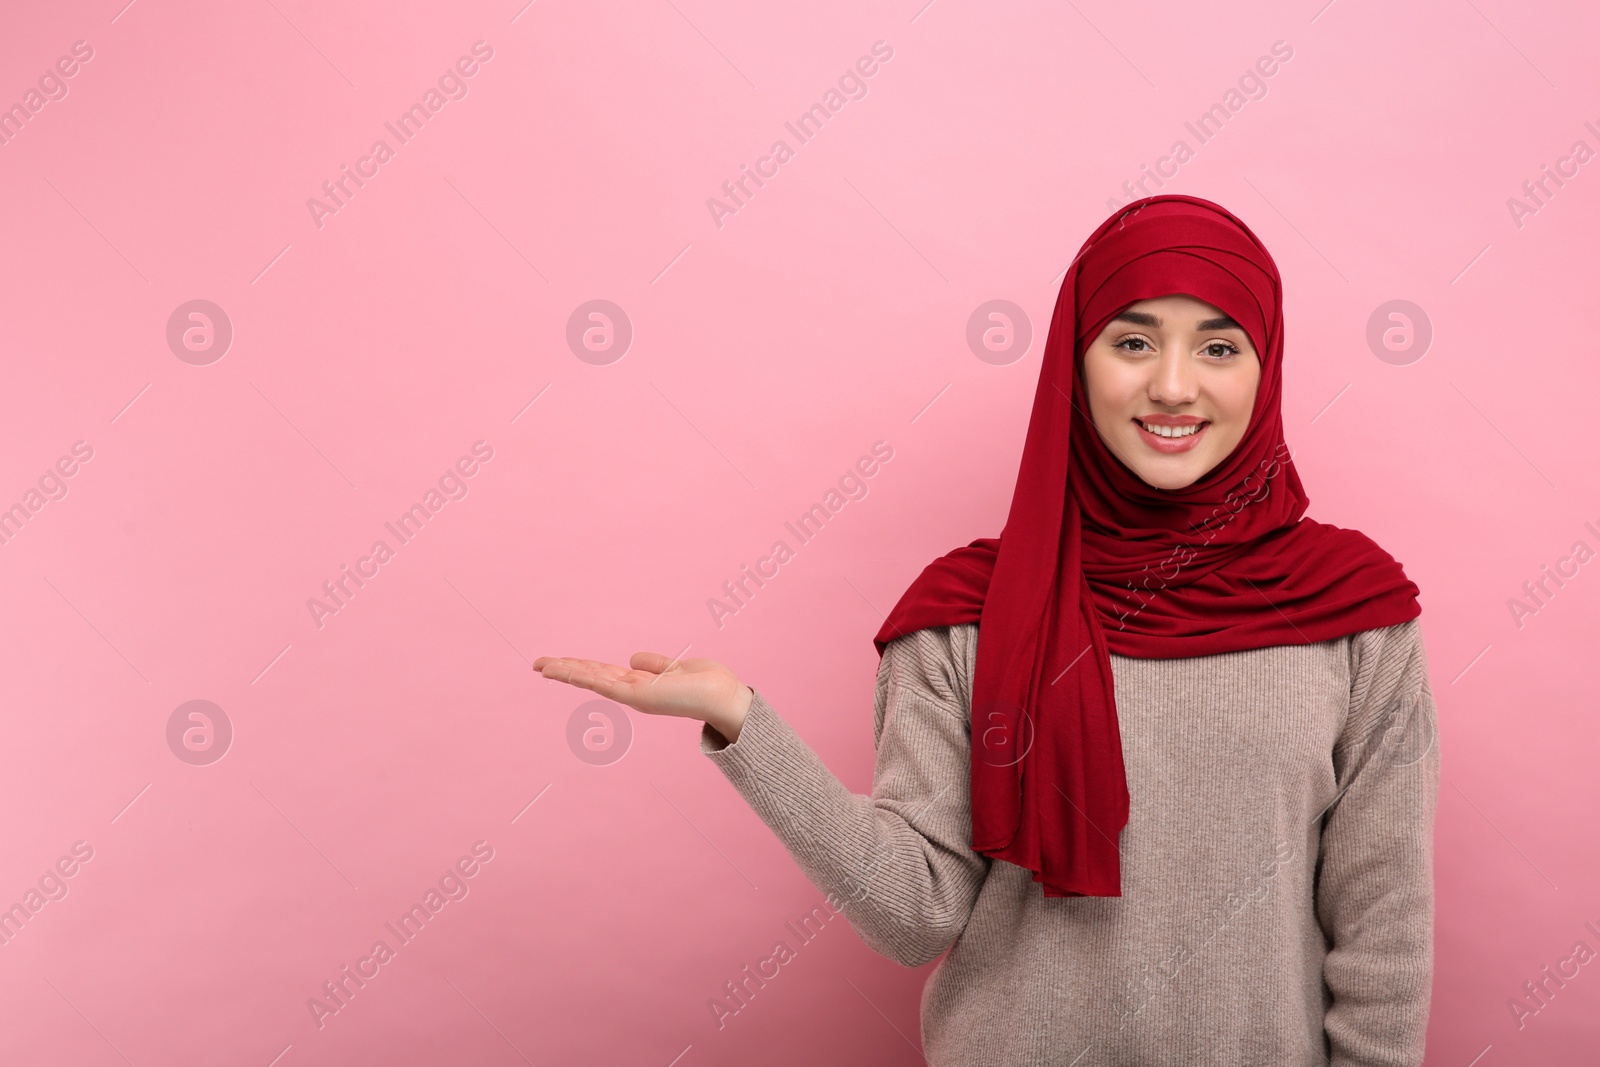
(1277, 865)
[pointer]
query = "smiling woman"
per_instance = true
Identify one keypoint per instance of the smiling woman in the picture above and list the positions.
(1171, 384)
(1142, 779)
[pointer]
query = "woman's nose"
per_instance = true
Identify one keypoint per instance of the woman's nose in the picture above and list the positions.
(1173, 380)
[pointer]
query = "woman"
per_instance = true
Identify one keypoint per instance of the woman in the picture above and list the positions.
(1176, 805)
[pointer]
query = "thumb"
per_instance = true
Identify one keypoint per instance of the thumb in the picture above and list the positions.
(654, 662)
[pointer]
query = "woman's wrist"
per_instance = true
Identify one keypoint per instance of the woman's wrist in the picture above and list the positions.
(729, 723)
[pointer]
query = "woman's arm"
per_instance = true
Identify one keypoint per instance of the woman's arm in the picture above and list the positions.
(1374, 884)
(900, 861)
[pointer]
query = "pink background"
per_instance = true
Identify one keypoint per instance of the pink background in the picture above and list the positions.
(371, 752)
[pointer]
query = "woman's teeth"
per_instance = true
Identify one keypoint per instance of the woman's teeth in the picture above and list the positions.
(1171, 431)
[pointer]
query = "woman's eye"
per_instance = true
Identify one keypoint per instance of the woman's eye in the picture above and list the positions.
(1139, 344)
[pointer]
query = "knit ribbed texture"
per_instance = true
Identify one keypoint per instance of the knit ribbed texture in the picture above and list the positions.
(1277, 865)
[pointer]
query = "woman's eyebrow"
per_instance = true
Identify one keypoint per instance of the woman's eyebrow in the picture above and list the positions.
(1138, 318)
(1144, 318)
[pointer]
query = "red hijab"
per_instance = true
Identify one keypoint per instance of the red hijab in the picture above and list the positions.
(1093, 560)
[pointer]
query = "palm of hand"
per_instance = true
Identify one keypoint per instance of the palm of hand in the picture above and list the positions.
(654, 684)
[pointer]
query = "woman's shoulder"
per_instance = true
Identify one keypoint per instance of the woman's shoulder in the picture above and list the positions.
(938, 660)
(1387, 663)
(1380, 640)
(934, 645)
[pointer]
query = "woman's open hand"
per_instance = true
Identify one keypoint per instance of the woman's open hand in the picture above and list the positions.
(657, 685)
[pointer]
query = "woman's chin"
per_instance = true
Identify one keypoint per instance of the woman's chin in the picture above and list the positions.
(1172, 472)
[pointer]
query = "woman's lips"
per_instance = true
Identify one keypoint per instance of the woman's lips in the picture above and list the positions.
(1171, 444)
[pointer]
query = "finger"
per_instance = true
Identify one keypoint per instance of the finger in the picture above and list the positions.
(654, 662)
(583, 671)
(606, 685)
(593, 666)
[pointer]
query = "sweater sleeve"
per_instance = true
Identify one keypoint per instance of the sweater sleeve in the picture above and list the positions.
(1374, 882)
(898, 864)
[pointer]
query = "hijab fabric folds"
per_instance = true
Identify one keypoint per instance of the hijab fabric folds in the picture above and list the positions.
(1093, 560)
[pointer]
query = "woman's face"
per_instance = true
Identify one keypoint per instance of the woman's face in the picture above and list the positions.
(1171, 364)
